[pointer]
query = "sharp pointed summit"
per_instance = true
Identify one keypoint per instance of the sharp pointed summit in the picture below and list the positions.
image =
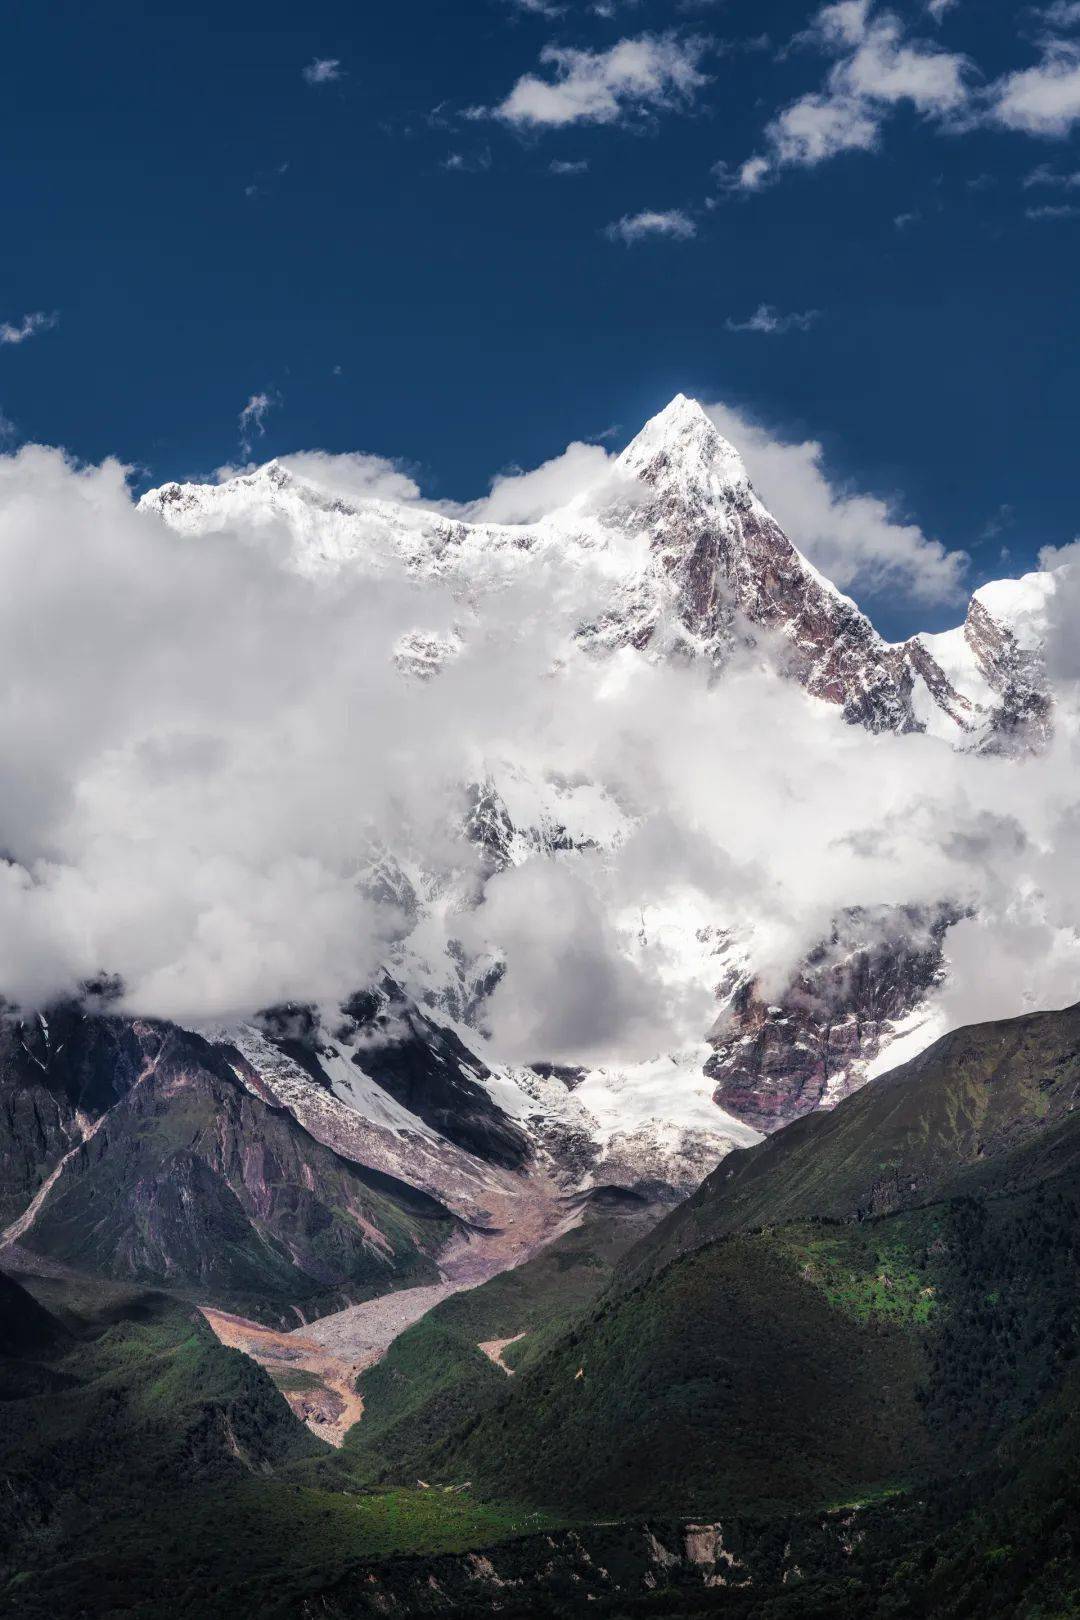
(717, 571)
(681, 445)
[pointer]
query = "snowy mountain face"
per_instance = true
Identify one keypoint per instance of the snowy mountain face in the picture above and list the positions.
(682, 566)
(691, 564)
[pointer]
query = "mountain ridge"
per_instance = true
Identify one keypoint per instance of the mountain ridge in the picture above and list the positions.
(685, 565)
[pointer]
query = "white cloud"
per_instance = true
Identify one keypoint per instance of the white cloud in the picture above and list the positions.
(651, 73)
(568, 166)
(351, 477)
(252, 418)
(767, 319)
(322, 70)
(1062, 14)
(1054, 211)
(477, 162)
(28, 327)
(854, 538)
(522, 497)
(1041, 100)
(537, 8)
(877, 69)
(636, 227)
(1044, 175)
(939, 8)
(196, 744)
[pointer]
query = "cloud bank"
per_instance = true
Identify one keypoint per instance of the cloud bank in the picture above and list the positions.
(201, 748)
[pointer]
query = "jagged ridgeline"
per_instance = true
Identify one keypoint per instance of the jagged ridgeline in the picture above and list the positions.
(841, 1379)
(844, 1307)
(327, 1311)
(136, 1151)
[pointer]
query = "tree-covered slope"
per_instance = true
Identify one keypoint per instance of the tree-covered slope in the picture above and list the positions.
(458, 1359)
(146, 1470)
(974, 1097)
(784, 1344)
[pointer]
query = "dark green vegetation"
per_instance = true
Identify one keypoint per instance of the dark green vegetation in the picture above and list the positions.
(728, 1380)
(842, 1380)
(191, 1181)
(988, 1107)
(435, 1375)
(148, 1470)
(880, 1299)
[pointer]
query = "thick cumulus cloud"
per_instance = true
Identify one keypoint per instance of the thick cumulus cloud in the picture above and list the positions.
(200, 747)
(188, 737)
(520, 496)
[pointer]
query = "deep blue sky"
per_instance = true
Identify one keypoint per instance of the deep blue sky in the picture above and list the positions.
(208, 225)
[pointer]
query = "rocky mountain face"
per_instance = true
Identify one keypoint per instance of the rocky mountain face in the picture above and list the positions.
(716, 569)
(990, 1107)
(689, 567)
(692, 567)
(188, 1175)
(857, 993)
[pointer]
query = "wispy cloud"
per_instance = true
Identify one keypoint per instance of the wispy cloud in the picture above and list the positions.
(537, 8)
(252, 418)
(902, 221)
(768, 320)
(633, 228)
(28, 327)
(568, 166)
(264, 183)
(1061, 14)
(1044, 175)
(939, 8)
(877, 68)
(1054, 211)
(468, 162)
(651, 73)
(322, 70)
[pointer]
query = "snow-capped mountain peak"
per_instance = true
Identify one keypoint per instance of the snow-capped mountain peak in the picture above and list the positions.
(681, 447)
(669, 556)
(692, 565)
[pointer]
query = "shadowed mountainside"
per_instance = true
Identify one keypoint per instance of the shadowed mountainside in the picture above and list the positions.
(191, 1181)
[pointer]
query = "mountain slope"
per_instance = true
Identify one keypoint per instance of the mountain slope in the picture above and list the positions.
(925, 1130)
(192, 1181)
(669, 559)
(455, 1361)
(865, 1418)
(867, 1312)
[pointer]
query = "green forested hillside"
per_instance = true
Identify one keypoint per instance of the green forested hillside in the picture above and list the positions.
(842, 1381)
(435, 1375)
(741, 1362)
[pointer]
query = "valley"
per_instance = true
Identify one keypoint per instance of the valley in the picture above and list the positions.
(640, 1229)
